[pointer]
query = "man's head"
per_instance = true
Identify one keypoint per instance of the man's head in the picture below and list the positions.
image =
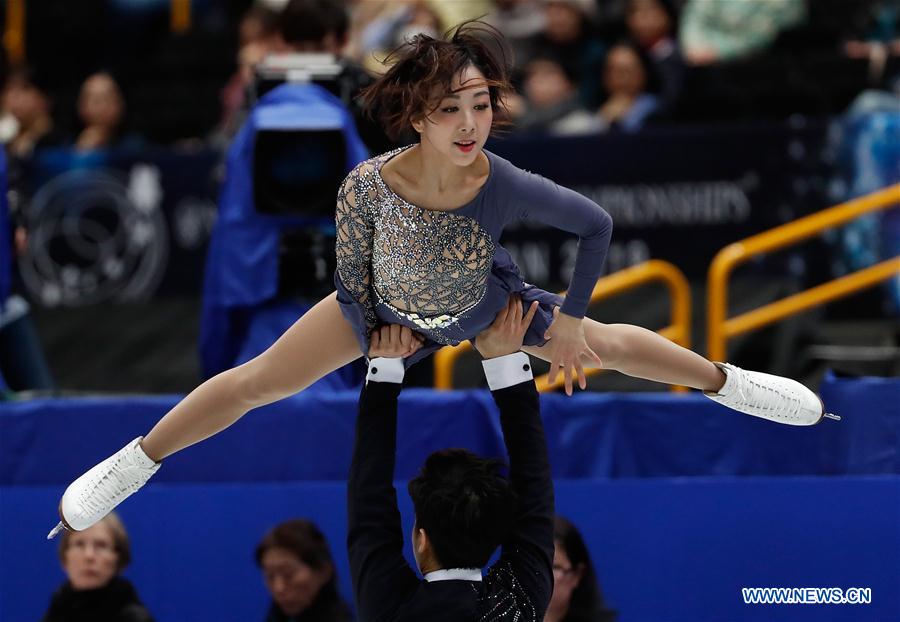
(464, 510)
(314, 26)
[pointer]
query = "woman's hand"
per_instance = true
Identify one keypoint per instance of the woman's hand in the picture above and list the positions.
(566, 347)
(505, 335)
(394, 341)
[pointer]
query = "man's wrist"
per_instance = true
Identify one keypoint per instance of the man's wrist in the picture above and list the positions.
(507, 370)
(383, 369)
(488, 354)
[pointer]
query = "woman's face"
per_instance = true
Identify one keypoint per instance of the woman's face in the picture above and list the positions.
(563, 22)
(648, 21)
(294, 584)
(624, 74)
(90, 559)
(100, 102)
(546, 84)
(460, 125)
(565, 579)
(24, 101)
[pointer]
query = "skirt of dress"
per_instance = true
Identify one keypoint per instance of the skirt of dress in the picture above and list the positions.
(502, 283)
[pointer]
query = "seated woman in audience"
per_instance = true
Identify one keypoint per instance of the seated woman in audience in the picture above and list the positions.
(629, 82)
(93, 560)
(299, 574)
(101, 112)
(576, 592)
(652, 25)
(552, 102)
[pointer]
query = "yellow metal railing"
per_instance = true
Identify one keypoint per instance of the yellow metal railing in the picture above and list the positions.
(180, 16)
(720, 328)
(678, 331)
(14, 32)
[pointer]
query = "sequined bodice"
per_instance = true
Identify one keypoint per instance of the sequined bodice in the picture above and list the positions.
(430, 267)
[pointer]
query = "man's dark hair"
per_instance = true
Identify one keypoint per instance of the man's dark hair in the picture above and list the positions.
(310, 21)
(464, 504)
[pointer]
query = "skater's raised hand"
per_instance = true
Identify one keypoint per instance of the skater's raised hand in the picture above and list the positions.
(394, 341)
(505, 335)
(567, 346)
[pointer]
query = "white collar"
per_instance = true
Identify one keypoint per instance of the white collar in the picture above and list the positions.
(454, 574)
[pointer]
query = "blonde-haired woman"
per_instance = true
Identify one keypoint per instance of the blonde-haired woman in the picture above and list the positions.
(95, 591)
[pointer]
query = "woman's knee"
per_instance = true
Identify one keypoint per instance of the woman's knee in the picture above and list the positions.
(251, 386)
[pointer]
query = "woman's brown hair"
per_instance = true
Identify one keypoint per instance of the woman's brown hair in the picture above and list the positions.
(422, 71)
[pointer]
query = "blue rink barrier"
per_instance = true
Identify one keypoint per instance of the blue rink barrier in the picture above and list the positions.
(816, 507)
(670, 549)
(590, 435)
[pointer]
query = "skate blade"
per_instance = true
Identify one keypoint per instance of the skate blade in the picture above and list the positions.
(59, 527)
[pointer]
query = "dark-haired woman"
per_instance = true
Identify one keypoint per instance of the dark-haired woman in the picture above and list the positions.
(298, 570)
(418, 234)
(626, 79)
(576, 592)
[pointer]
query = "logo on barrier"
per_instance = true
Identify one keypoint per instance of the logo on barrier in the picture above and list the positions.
(93, 238)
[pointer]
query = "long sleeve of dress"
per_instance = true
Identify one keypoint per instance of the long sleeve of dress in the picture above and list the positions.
(537, 198)
(353, 277)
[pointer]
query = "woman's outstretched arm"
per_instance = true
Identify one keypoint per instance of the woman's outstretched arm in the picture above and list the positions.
(536, 198)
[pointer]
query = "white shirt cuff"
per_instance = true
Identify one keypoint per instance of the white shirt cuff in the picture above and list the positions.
(385, 370)
(506, 371)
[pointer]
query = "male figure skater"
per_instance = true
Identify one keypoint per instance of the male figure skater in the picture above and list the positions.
(464, 507)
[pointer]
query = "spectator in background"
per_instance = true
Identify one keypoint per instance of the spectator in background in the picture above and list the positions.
(395, 23)
(553, 106)
(258, 25)
(628, 80)
(93, 560)
(519, 21)
(576, 592)
(717, 32)
(29, 103)
(257, 37)
(876, 36)
(22, 363)
(652, 25)
(101, 110)
(323, 26)
(299, 573)
(568, 34)
(381, 25)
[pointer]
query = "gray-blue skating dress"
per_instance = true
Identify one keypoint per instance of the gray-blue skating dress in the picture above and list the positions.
(443, 273)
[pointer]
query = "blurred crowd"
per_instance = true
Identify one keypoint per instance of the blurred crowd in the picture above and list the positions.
(115, 75)
(580, 66)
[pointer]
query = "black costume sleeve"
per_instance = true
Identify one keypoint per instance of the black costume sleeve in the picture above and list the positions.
(382, 579)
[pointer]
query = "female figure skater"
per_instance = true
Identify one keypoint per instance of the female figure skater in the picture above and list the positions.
(417, 233)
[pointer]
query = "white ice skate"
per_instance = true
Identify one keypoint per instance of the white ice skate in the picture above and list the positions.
(771, 397)
(94, 495)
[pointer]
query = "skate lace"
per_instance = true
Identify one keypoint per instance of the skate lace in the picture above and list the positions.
(109, 488)
(777, 403)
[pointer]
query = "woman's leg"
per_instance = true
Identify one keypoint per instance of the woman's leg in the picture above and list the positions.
(641, 353)
(317, 344)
